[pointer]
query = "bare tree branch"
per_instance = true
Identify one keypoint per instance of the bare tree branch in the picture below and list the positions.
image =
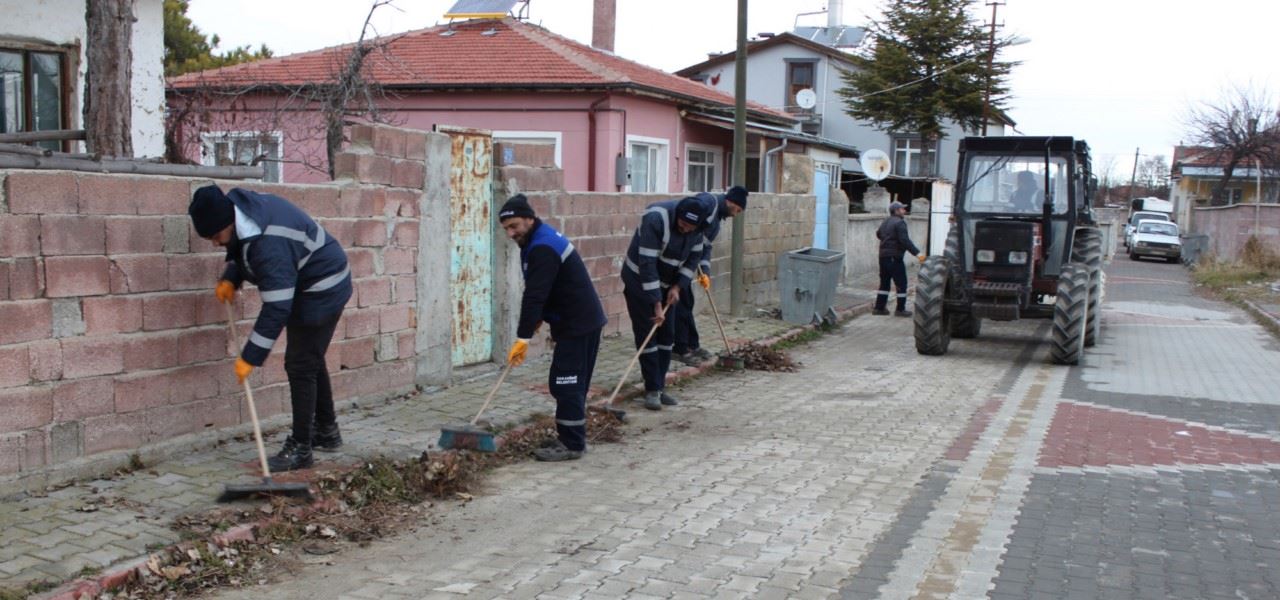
(1241, 127)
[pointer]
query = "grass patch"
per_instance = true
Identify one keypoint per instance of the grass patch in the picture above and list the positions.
(30, 589)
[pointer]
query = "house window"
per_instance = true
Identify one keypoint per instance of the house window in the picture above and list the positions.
(910, 161)
(31, 92)
(702, 165)
(800, 76)
(832, 170)
(647, 161)
(244, 148)
(1233, 195)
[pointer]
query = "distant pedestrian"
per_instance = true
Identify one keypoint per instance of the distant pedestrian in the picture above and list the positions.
(304, 281)
(661, 259)
(894, 240)
(688, 347)
(557, 290)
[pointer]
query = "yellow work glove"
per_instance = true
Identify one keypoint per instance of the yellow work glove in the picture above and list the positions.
(518, 352)
(704, 280)
(226, 291)
(923, 257)
(243, 369)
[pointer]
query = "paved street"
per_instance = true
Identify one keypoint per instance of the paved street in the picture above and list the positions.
(1150, 471)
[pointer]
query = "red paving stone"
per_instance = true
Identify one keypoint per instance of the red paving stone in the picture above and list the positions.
(1082, 435)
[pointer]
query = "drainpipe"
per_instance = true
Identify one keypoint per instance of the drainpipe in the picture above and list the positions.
(769, 177)
(1257, 199)
(591, 142)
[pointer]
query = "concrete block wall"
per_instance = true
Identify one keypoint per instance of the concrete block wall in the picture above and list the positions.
(1229, 227)
(111, 339)
(862, 247)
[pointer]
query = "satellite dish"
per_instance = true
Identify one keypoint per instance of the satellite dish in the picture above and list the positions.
(806, 99)
(875, 163)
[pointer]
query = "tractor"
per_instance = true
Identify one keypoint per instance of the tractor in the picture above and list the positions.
(1023, 244)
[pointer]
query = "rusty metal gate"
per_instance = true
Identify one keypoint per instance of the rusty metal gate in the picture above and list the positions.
(471, 236)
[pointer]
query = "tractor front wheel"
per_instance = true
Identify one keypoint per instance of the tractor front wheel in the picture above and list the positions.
(1070, 315)
(932, 323)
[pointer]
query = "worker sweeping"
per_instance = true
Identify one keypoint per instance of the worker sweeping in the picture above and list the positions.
(661, 259)
(304, 281)
(559, 292)
(687, 346)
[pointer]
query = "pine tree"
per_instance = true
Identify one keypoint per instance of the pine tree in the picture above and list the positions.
(927, 65)
(187, 49)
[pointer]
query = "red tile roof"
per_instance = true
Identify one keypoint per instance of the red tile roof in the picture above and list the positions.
(483, 53)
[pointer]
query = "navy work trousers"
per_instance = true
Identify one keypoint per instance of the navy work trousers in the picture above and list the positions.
(656, 357)
(309, 389)
(572, 363)
(892, 268)
(686, 331)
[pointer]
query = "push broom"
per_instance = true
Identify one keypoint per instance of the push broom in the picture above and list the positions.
(268, 487)
(726, 360)
(468, 436)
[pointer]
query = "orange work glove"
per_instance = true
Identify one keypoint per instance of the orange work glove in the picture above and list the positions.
(922, 257)
(243, 369)
(704, 280)
(518, 352)
(226, 291)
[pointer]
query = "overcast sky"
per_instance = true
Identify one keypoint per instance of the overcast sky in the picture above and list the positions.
(1118, 73)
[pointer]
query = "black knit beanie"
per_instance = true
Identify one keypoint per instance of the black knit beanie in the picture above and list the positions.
(737, 195)
(516, 206)
(211, 211)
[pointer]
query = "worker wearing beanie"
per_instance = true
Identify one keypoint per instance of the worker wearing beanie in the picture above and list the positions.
(558, 291)
(662, 257)
(894, 240)
(304, 281)
(687, 346)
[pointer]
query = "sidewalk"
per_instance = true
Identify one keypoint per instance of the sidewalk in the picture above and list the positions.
(89, 526)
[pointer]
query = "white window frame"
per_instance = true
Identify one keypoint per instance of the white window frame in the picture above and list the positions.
(832, 169)
(663, 146)
(716, 181)
(207, 141)
(518, 136)
(903, 168)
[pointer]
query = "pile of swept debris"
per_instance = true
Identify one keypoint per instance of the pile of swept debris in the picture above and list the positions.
(765, 358)
(374, 499)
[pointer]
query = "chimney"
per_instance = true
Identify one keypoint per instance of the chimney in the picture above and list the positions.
(835, 13)
(602, 24)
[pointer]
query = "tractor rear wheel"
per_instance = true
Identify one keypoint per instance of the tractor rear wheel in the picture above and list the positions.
(1087, 250)
(965, 326)
(932, 323)
(1070, 315)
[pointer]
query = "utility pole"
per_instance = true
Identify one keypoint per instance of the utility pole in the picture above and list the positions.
(991, 60)
(737, 293)
(1133, 176)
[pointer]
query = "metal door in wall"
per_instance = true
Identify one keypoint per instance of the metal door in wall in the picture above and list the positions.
(471, 244)
(822, 216)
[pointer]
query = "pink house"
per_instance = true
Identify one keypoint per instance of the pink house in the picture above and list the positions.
(611, 124)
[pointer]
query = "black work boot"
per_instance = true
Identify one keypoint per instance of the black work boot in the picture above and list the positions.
(667, 400)
(879, 311)
(292, 456)
(557, 453)
(902, 312)
(326, 438)
(689, 358)
(653, 400)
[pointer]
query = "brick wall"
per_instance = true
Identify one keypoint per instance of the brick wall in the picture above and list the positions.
(111, 338)
(1229, 227)
(601, 226)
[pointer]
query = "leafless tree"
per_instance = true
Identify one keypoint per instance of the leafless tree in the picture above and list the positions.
(1153, 174)
(302, 114)
(1105, 169)
(1242, 126)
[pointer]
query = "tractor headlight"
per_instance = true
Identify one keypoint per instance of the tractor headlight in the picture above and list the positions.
(986, 256)
(1018, 258)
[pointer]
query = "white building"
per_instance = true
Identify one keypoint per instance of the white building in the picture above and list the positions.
(780, 66)
(42, 69)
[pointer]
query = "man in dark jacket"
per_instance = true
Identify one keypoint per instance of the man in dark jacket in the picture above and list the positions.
(304, 281)
(557, 290)
(688, 347)
(661, 259)
(894, 240)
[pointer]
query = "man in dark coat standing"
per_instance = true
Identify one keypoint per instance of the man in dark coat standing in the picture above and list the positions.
(894, 240)
(558, 291)
(304, 281)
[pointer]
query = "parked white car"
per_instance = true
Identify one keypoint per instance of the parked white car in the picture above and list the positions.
(1156, 238)
(1132, 224)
